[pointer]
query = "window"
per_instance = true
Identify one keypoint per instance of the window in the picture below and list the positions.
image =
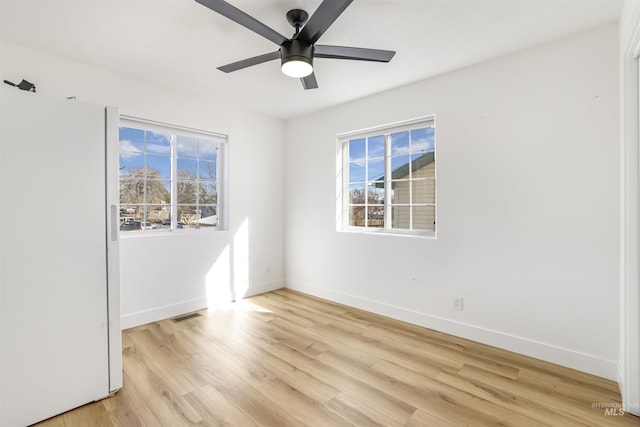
(170, 178)
(388, 179)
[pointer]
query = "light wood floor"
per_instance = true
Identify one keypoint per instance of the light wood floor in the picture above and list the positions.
(287, 359)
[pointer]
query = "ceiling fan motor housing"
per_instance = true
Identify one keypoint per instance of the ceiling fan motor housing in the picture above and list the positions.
(296, 50)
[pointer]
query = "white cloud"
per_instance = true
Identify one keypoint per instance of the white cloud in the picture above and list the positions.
(422, 145)
(158, 148)
(360, 161)
(187, 148)
(128, 150)
(208, 147)
(399, 151)
(418, 146)
(376, 151)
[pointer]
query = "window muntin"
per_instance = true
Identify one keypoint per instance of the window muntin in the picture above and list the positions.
(388, 179)
(169, 178)
(197, 189)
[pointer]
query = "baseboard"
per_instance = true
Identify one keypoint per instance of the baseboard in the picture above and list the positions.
(626, 392)
(160, 313)
(622, 387)
(539, 350)
(263, 287)
(164, 312)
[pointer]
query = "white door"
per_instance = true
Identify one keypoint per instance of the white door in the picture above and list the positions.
(54, 339)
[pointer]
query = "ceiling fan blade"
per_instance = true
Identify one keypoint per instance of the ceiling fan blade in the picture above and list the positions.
(240, 17)
(235, 66)
(355, 53)
(322, 18)
(309, 82)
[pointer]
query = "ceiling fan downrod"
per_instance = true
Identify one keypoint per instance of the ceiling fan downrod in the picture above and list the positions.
(297, 18)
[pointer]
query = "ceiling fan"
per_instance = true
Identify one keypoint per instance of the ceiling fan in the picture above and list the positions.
(297, 53)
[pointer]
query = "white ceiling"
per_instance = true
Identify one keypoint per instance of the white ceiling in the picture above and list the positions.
(179, 43)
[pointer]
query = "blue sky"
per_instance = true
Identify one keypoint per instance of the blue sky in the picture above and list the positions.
(405, 147)
(134, 143)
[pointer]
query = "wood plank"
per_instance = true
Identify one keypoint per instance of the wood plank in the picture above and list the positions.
(57, 421)
(288, 359)
(548, 407)
(422, 418)
(93, 414)
(165, 402)
(216, 410)
(447, 402)
(358, 413)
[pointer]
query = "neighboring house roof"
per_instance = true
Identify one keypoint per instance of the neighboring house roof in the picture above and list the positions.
(403, 170)
(209, 220)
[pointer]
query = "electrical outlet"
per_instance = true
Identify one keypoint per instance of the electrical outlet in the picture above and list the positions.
(458, 303)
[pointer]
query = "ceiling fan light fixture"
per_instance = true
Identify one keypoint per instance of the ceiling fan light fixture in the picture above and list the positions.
(297, 58)
(296, 68)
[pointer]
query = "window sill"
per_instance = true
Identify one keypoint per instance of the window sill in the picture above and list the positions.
(431, 235)
(143, 233)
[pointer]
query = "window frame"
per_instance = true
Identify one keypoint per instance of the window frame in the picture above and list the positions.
(343, 202)
(174, 132)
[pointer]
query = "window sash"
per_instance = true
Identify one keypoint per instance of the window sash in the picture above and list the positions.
(416, 225)
(219, 182)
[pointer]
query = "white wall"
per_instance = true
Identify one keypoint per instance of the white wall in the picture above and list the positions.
(162, 276)
(527, 169)
(527, 202)
(629, 353)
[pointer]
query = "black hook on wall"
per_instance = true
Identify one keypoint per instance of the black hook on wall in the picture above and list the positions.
(24, 85)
